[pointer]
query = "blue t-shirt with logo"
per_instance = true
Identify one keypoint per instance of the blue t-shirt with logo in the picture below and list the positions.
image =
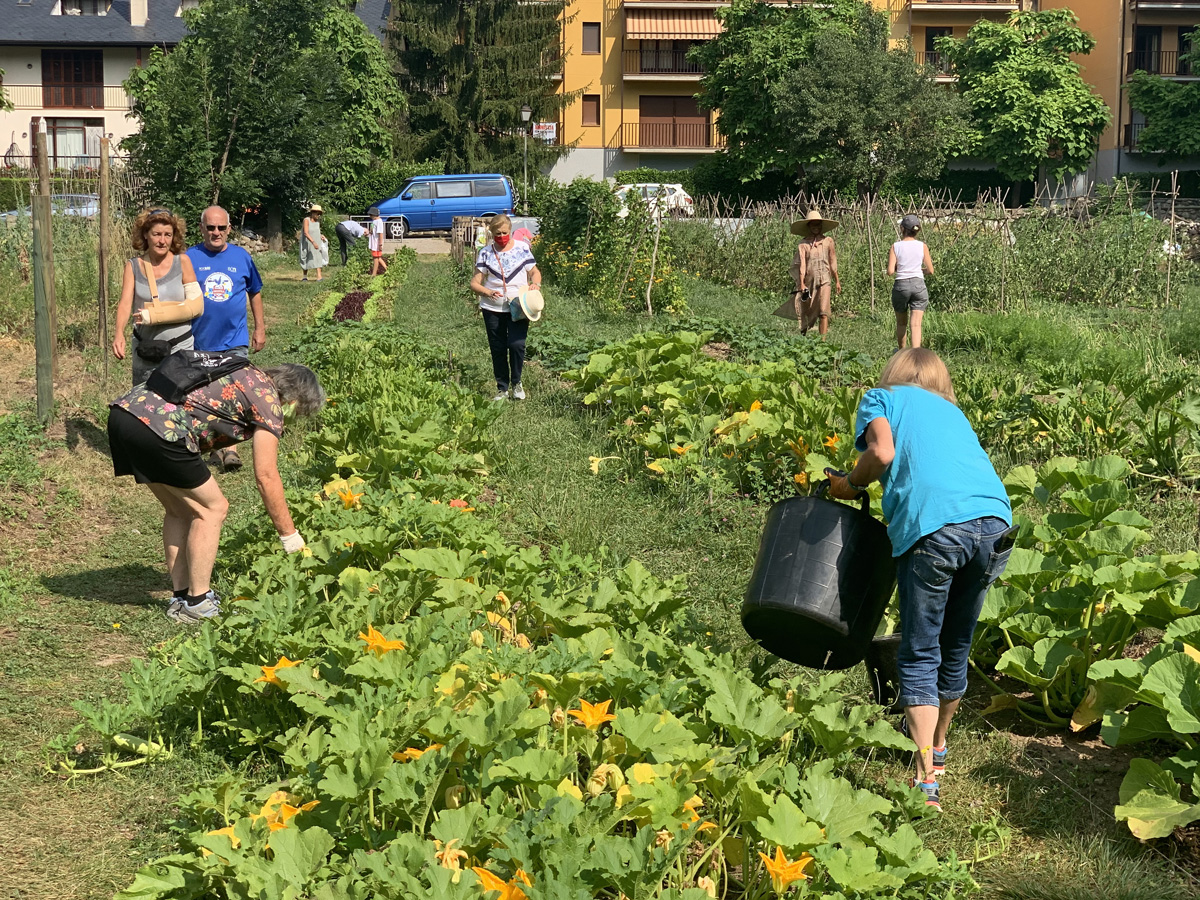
(227, 277)
(940, 474)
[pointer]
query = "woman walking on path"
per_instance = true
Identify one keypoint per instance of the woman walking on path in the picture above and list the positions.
(159, 292)
(505, 270)
(314, 247)
(950, 524)
(910, 296)
(814, 264)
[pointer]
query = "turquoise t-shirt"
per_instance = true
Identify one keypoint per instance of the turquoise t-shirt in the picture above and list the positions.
(939, 475)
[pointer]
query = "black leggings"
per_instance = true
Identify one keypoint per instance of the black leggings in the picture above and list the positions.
(345, 240)
(506, 339)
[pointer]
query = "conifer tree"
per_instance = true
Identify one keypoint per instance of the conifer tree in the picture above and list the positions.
(468, 66)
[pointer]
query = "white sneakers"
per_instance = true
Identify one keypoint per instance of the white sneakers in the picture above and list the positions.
(518, 392)
(186, 613)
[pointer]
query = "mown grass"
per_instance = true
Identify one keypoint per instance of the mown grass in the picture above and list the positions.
(1053, 794)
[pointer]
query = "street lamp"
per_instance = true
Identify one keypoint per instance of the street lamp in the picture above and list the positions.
(526, 114)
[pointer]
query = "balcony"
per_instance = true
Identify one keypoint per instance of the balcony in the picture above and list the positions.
(1132, 132)
(939, 62)
(686, 136)
(69, 96)
(671, 65)
(1167, 5)
(981, 6)
(1166, 63)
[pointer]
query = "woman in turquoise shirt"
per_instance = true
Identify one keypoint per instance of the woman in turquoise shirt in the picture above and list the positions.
(950, 524)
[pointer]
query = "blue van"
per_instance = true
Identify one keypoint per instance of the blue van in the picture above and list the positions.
(429, 202)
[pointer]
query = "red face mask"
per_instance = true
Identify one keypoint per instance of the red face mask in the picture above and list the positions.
(502, 240)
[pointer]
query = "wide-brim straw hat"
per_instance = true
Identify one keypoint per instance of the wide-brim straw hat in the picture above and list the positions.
(532, 303)
(800, 226)
(316, 207)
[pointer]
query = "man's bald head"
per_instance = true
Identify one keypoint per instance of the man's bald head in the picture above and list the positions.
(214, 222)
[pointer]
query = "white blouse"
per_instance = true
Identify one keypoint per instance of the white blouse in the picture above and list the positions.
(506, 271)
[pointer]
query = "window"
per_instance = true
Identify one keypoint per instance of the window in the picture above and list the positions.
(420, 190)
(493, 187)
(453, 189)
(73, 143)
(73, 79)
(591, 37)
(591, 109)
(81, 8)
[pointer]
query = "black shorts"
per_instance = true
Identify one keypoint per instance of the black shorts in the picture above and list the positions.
(150, 459)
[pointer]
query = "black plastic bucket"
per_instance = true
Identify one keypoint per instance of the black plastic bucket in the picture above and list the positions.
(883, 672)
(821, 583)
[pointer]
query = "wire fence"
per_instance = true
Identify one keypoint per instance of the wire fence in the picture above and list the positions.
(1107, 249)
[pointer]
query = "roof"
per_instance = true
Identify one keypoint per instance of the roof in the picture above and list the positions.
(375, 15)
(31, 22)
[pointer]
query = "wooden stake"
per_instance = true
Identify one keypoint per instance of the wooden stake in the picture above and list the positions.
(43, 286)
(870, 253)
(43, 166)
(102, 261)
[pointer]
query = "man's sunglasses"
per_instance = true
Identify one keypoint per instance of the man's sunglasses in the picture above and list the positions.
(216, 227)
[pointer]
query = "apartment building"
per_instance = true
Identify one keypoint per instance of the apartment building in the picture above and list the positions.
(628, 60)
(65, 61)
(637, 105)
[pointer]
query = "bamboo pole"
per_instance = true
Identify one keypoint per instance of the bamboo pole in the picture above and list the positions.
(43, 167)
(102, 261)
(653, 261)
(43, 287)
(870, 253)
(1171, 233)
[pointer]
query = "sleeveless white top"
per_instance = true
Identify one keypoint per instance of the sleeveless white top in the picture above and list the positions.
(909, 256)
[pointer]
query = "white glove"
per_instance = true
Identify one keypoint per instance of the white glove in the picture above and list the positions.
(292, 542)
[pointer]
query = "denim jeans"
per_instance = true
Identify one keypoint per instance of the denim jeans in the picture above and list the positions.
(506, 339)
(942, 580)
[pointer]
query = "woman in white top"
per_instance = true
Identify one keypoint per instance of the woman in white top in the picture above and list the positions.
(503, 267)
(909, 261)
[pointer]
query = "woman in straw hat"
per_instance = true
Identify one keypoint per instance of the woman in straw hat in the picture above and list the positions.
(314, 248)
(814, 264)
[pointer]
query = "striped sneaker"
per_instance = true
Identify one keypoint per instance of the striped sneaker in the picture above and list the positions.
(931, 790)
(939, 761)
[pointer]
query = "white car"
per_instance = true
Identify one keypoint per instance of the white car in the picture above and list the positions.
(659, 198)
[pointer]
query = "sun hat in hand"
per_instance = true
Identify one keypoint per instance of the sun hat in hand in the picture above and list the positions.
(531, 303)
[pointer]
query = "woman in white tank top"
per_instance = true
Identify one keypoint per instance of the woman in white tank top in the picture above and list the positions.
(909, 262)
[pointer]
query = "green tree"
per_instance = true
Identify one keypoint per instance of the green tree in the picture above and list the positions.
(468, 66)
(264, 103)
(860, 115)
(1171, 108)
(760, 45)
(5, 103)
(1030, 107)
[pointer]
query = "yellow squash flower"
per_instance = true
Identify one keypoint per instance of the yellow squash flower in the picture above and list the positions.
(509, 890)
(784, 871)
(279, 810)
(681, 449)
(832, 441)
(413, 753)
(450, 857)
(269, 675)
(375, 641)
(801, 478)
(350, 500)
(755, 406)
(592, 716)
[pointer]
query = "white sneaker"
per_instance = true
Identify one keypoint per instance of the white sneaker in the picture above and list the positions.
(185, 613)
(518, 392)
(503, 395)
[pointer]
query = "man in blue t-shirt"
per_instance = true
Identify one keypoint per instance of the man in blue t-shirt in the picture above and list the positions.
(228, 276)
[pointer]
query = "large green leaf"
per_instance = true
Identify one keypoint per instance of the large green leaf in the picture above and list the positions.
(1041, 664)
(1176, 678)
(786, 826)
(1151, 802)
(1142, 723)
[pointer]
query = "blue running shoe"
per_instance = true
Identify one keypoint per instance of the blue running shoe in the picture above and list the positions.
(939, 761)
(931, 791)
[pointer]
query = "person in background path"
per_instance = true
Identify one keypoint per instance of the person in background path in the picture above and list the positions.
(910, 296)
(348, 232)
(503, 269)
(314, 246)
(229, 278)
(162, 315)
(813, 265)
(161, 445)
(950, 524)
(375, 242)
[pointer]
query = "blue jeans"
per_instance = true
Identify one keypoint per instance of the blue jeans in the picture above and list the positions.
(942, 580)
